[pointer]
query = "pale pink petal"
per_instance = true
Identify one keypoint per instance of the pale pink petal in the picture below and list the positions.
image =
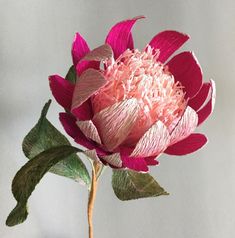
(205, 111)
(114, 123)
(83, 112)
(79, 48)
(168, 42)
(119, 36)
(187, 71)
(189, 145)
(62, 90)
(92, 154)
(89, 83)
(137, 164)
(185, 126)
(100, 53)
(153, 142)
(113, 159)
(197, 101)
(89, 130)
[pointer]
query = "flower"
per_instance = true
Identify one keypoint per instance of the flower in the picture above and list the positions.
(139, 104)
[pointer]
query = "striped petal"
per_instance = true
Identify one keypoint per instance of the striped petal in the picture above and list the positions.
(187, 71)
(185, 126)
(113, 159)
(189, 145)
(89, 130)
(114, 123)
(119, 36)
(92, 154)
(153, 142)
(167, 42)
(62, 90)
(205, 111)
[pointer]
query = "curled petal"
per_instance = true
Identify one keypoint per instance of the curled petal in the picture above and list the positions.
(79, 48)
(113, 159)
(197, 101)
(83, 112)
(187, 71)
(89, 83)
(153, 142)
(119, 36)
(185, 126)
(167, 42)
(205, 111)
(100, 53)
(89, 130)
(189, 145)
(114, 123)
(62, 90)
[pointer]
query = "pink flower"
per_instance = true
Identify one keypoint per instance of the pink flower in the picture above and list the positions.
(140, 104)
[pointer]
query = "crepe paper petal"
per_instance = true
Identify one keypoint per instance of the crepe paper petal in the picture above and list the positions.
(197, 101)
(84, 65)
(186, 69)
(167, 42)
(153, 142)
(205, 111)
(83, 112)
(119, 36)
(89, 83)
(92, 154)
(130, 44)
(151, 161)
(114, 160)
(100, 53)
(189, 145)
(62, 90)
(186, 125)
(114, 123)
(79, 48)
(137, 164)
(89, 130)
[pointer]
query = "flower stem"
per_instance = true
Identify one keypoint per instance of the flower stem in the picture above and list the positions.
(95, 171)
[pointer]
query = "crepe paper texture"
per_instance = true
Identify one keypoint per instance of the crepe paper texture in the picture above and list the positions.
(125, 107)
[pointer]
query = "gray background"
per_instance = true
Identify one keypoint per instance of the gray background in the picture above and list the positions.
(35, 40)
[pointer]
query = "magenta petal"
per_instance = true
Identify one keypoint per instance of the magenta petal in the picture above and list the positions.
(151, 160)
(119, 36)
(84, 65)
(130, 44)
(168, 42)
(79, 48)
(89, 83)
(137, 164)
(205, 112)
(83, 112)
(197, 101)
(189, 145)
(62, 90)
(187, 71)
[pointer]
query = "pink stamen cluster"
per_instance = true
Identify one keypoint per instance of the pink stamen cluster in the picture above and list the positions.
(140, 75)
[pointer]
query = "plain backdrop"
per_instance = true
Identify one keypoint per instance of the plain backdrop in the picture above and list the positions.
(35, 41)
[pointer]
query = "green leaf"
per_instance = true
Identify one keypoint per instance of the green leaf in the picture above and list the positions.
(71, 75)
(29, 176)
(44, 136)
(128, 185)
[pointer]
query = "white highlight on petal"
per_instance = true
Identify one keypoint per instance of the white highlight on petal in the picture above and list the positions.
(113, 159)
(153, 142)
(89, 130)
(114, 123)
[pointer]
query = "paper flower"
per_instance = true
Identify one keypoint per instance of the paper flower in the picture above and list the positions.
(139, 104)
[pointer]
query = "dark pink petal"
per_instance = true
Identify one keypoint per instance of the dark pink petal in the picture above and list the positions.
(89, 130)
(187, 71)
(151, 161)
(114, 123)
(168, 42)
(83, 112)
(100, 53)
(113, 160)
(62, 90)
(130, 44)
(189, 145)
(185, 126)
(119, 36)
(153, 142)
(197, 101)
(205, 112)
(137, 164)
(84, 65)
(89, 83)
(79, 48)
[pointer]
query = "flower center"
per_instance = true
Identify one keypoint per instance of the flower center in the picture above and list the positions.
(140, 75)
